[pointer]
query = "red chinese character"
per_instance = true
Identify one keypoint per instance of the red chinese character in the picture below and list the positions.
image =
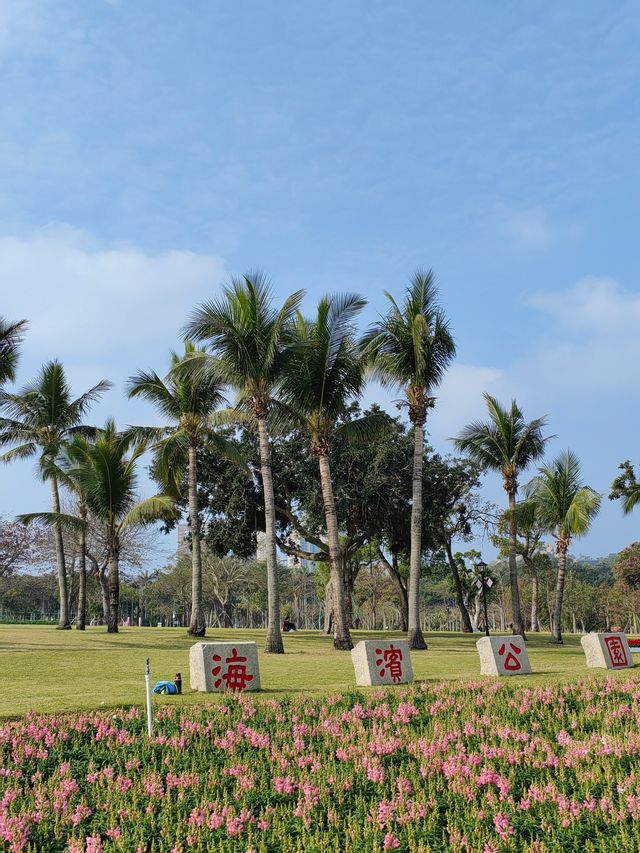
(236, 676)
(391, 662)
(617, 653)
(511, 662)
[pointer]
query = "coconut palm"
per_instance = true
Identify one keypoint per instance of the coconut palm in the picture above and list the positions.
(10, 340)
(39, 420)
(188, 399)
(508, 444)
(105, 470)
(249, 336)
(65, 472)
(529, 546)
(411, 348)
(324, 372)
(566, 508)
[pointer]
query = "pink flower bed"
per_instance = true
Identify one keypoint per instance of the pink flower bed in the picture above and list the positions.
(475, 768)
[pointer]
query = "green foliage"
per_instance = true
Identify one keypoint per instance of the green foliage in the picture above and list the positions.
(187, 397)
(43, 415)
(627, 566)
(372, 488)
(412, 345)
(505, 443)
(324, 370)
(626, 488)
(564, 505)
(597, 573)
(248, 334)
(11, 335)
(105, 469)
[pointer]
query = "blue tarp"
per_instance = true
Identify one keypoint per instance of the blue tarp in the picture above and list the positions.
(165, 687)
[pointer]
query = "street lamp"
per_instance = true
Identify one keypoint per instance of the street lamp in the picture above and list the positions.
(483, 583)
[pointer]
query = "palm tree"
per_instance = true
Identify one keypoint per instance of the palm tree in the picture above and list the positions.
(249, 335)
(10, 340)
(324, 372)
(65, 472)
(508, 444)
(411, 348)
(188, 399)
(566, 508)
(105, 470)
(40, 419)
(529, 546)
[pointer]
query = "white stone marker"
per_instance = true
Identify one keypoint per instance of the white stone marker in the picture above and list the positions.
(607, 651)
(217, 667)
(503, 656)
(382, 662)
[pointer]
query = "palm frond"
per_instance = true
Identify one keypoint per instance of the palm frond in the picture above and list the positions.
(412, 344)
(52, 519)
(171, 460)
(149, 385)
(246, 331)
(228, 450)
(79, 408)
(23, 451)
(11, 336)
(564, 504)
(342, 309)
(141, 436)
(364, 430)
(157, 508)
(506, 442)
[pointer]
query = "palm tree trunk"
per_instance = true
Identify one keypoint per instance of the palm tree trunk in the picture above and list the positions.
(196, 625)
(518, 626)
(535, 623)
(414, 634)
(328, 608)
(63, 621)
(348, 580)
(82, 581)
(273, 643)
(341, 635)
(557, 610)
(114, 591)
(104, 594)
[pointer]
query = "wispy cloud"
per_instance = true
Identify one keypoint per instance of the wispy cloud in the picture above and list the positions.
(599, 305)
(114, 307)
(529, 229)
(591, 343)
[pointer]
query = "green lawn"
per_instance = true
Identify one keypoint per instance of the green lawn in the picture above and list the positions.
(49, 671)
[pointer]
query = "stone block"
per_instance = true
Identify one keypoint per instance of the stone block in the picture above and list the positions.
(218, 667)
(382, 662)
(503, 656)
(607, 651)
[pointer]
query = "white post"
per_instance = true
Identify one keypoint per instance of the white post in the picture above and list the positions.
(147, 678)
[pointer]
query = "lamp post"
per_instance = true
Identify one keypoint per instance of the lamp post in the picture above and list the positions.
(483, 583)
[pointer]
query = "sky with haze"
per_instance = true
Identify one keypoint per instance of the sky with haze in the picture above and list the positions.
(151, 149)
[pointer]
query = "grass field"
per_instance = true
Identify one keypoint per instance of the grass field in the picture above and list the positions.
(52, 671)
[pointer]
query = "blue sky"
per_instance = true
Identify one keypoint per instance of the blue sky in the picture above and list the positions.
(150, 149)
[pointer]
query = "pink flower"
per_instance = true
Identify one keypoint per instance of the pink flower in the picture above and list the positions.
(390, 842)
(503, 826)
(93, 844)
